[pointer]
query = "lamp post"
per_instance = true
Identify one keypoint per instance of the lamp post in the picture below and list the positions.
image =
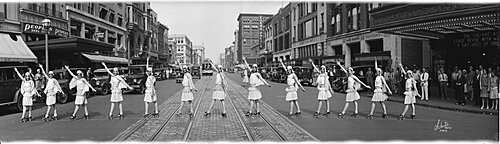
(46, 25)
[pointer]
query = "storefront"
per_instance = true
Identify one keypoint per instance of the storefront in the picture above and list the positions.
(13, 50)
(308, 48)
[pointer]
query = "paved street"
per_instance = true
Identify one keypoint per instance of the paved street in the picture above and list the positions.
(465, 126)
(98, 128)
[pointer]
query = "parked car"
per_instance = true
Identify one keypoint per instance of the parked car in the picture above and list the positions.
(9, 86)
(159, 73)
(64, 78)
(305, 75)
(278, 75)
(137, 78)
(196, 72)
(178, 75)
(340, 82)
(101, 79)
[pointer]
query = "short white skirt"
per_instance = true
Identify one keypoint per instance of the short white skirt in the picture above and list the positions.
(187, 95)
(352, 95)
(410, 97)
(379, 95)
(218, 93)
(27, 99)
(254, 93)
(51, 98)
(80, 100)
(245, 79)
(149, 96)
(291, 94)
(116, 96)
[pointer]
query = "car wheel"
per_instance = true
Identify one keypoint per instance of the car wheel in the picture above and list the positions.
(68, 94)
(61, 98)
(19, 104)
(105, 90)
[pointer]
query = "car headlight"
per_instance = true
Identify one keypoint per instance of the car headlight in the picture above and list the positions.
(98, 82)
(135, 80)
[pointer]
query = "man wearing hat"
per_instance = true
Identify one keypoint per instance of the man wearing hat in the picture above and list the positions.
(51, 89)
(218, 93)
(187, 95)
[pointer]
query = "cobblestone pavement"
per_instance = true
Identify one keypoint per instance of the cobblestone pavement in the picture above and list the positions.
(271, 126)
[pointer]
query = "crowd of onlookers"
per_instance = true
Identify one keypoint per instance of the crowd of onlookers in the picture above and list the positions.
(478, 85)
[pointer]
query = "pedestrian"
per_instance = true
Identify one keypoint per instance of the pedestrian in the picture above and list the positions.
(325, 91)
(51, 89)
(494, 90)
(370, 77)
(410, 94)
(443, 84)
(245, 77)
(454, 78)
(460, 85)
(38, 81)
(27, 91)
(378, 94)
(424, 77)
(187, 95)
(484, 83)
(117, 84)
(82, 88)
(352, 91)
(254, 94)
(471, 76)
(219, 91)
(416, 76)
(396, 80)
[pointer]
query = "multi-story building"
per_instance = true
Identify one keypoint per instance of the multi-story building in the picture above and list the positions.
(172, 48)
(222, 58)
(309, 31)
(199, 53)
(228, 57)
(266, 53)
(184, 48)
(250, 29)
(164, 52)
(137, 17)
(235, 50)
(282, 42)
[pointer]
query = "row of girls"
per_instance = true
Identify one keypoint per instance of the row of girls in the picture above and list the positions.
(28, 90)
(325, 91)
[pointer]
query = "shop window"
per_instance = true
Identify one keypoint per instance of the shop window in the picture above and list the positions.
(75, 28)
(355, 48)
(376, 45)
(89, 31)
(337, 49)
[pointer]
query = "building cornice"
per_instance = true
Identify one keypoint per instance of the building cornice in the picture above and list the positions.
(69, 8)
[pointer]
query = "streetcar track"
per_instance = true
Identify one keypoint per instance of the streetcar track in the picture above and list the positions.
(250, 138)
(191, 120)
(265, 119)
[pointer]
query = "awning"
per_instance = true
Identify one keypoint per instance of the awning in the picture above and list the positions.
(107, 59)
(13, 49)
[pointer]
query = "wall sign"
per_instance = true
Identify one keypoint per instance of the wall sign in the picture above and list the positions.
(37, 28)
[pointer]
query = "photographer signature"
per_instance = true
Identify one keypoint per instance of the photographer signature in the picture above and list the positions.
(442, 126)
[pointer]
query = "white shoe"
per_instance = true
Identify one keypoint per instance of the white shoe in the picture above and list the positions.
(482, 107)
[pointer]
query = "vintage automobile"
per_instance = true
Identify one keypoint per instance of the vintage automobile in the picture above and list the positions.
(278, 75)
(339, 83)
(137, 78)
(64, 78)
(159, 73)
(305, 75)
(196, 72)
(101, 79)
(178, 75)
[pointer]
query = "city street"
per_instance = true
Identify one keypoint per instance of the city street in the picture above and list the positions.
(98, 128)
(464, 126)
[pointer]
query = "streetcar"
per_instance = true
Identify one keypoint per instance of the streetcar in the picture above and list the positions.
(206, 68)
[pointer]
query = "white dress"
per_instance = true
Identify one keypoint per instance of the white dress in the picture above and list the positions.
(378, 93)
(410, 93)
(116, 88)
(28, 89)
(51, 90)
(253, 91)
(150, 93)
(352, 93)
(187, 82)
(218, 93)
(323, 87)
(291, 89)
(81, 89)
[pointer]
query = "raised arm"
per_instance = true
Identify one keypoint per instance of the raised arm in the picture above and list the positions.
(402, 68)
(248, 66)
(69, 71)
(214, 67)
(147, 62)
(376, 65)
(314, 66)
(88, 84)
(283, 65)
(297, 81)
(359, 81)
(43, 71)
(386, 86)
(107, 69)
(19, 74)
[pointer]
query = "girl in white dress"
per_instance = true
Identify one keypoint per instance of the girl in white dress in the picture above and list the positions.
(254, 94)
(245, 77)
(150, 93)
(51, 89)
(378, 94)
(117, 84)
(353, 84)
(293, 86)
(187, 95)
(27, 91)
(325, 91)
(410, 93)
(82, 87)
(219, 91)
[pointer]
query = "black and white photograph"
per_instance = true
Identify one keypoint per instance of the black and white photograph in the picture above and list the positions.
(246, 71)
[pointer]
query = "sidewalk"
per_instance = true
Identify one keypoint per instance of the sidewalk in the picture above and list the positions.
(436, 102)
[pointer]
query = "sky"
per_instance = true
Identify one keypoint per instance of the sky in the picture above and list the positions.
(211, 24)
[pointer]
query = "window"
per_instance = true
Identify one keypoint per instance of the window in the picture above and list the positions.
(111, 17)
(337, 22)
(308, 26)
(246, 26)
(321, 22)
(255, 27)
(90, 8)
(103, 13)
(120, 21)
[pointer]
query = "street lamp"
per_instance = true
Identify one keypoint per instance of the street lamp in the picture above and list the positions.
(46, 25)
